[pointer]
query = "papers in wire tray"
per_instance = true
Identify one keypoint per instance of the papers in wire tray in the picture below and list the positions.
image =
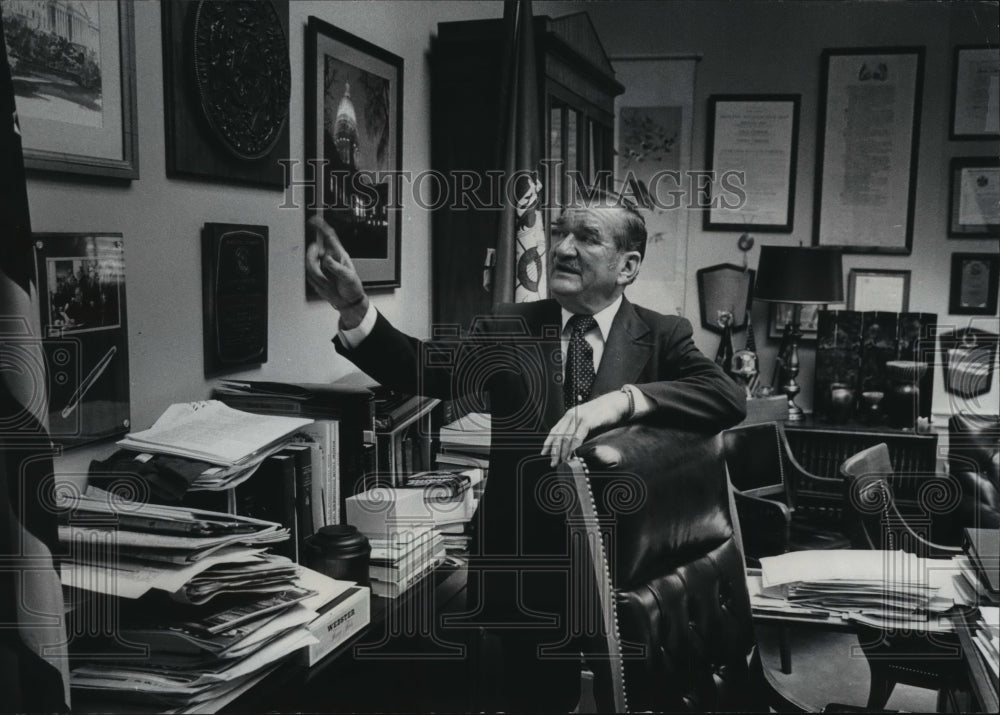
(212, 432)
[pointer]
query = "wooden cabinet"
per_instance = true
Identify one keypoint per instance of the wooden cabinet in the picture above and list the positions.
(577, 89)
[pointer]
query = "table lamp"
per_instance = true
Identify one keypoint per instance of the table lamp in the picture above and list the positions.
(800, 276)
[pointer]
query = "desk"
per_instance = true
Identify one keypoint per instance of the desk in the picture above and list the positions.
(398, 662)
(821, 448)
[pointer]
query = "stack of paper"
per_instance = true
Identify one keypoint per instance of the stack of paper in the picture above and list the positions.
(213, 432)
(202, 609)
(987, 637)
(874, 587)
(465, 443)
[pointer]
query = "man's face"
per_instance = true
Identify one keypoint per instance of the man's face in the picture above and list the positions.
(584, 262)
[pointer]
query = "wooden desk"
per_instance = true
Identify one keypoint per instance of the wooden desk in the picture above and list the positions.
(821, 448)
(982, 683)
(402, 661)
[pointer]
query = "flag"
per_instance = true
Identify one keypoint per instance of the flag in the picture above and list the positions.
(33, 667)
(520, 254)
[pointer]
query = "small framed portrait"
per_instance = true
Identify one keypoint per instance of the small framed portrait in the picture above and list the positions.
(781, 315)
(975, 278)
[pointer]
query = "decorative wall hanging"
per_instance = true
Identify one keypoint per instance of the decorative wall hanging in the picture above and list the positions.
(234, 283)
(867, 149)
(725, 290)
(73, 68)
(227, 83)
(85, 334)
(757, 136)
(354, 136)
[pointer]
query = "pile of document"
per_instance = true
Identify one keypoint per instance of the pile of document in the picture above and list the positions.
(878, 588)
(465, 443)
(199, 609)
(450, 497)
(230, 444)
(400, 527)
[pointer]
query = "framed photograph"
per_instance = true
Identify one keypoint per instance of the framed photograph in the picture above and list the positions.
(975, 279)
(781, 314)
(869, 127)
(974, 200)
(73, 68)
(84, 334)
(752, 143)
(975, 102)
(234, 296)
(225, 108)
(876, 289)
(354, 136)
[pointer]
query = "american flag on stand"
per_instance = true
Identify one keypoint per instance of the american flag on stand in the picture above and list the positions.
(33, 667)
(521, 244)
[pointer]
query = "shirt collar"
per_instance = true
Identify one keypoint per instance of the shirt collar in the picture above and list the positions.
(604, 318)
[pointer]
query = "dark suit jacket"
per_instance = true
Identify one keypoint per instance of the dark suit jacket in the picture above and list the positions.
(510, 365)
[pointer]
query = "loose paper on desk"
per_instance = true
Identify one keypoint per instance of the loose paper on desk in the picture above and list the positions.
(211, 431)
(844, 564)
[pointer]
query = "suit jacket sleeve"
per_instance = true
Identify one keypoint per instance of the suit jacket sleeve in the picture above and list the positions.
(402, 362)
(688, 390)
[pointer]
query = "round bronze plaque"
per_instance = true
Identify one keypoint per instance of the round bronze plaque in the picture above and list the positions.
(242, 73)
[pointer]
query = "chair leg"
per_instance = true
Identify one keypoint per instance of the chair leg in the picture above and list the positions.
(881, 687)
(784, 650)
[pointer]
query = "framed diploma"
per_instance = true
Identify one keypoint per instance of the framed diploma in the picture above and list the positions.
(974, 202)
(975, 279)
(867, 147)
(877, 289)
(975, 104)
(234, 284)
(752, 142)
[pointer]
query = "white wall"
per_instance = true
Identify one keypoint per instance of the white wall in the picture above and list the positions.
(746, 47)
(161, 218)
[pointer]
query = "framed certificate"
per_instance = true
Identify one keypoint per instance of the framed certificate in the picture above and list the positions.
(867, 148)
(752, 142)
(974, 202)
(975, 280)
(975, 103)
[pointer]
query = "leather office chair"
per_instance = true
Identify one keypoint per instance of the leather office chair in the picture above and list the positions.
(886, 510)
(676, 569)
(974, 460)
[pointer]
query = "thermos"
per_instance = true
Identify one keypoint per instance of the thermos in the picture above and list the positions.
(340, 552)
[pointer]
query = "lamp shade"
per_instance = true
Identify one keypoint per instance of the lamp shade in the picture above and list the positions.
(796, 274)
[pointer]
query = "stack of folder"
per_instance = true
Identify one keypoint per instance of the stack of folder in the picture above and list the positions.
(201, 610)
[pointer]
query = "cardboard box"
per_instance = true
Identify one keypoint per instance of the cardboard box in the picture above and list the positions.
(377, 512)
(337, 621)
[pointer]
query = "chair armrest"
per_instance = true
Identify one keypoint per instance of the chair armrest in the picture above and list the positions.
(765, 525)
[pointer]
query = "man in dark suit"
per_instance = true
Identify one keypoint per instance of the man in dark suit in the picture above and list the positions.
(552, 372)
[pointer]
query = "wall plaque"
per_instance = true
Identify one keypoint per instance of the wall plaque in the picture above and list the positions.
(234, 281)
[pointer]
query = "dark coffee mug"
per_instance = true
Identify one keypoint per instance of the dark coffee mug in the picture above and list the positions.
(341, 552)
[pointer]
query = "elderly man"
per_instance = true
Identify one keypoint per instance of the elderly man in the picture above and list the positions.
(554, 371)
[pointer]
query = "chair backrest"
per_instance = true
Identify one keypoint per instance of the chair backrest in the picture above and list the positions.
(974, 460)
(754, 458)
(887, 510)
(680, 585)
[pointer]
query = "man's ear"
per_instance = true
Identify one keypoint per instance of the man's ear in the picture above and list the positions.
(629, 271)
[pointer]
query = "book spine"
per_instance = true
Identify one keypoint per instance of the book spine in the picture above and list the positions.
(303, 494)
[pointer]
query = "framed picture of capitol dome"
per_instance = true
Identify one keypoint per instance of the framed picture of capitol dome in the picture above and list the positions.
(354, 132)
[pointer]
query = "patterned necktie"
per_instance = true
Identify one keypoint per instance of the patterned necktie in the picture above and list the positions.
(579, 361)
